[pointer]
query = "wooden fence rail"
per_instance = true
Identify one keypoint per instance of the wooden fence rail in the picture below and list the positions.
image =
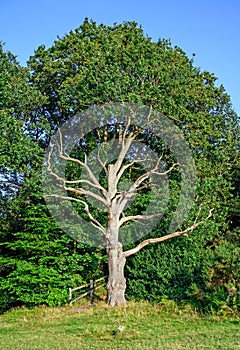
(92, 287)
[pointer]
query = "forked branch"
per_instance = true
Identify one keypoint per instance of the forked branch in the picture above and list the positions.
(78, 191)
(63, 155)
(138, 217)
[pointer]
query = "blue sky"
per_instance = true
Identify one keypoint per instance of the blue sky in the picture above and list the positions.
(208, 28)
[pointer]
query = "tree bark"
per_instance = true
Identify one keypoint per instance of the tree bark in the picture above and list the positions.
(116, 285)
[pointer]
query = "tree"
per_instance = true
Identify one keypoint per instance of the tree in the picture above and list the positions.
(19, 123)
(38, 262)
(94, 65)
(129, 155)
(19, 129)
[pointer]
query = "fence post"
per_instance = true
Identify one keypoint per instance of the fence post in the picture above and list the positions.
(90, 292)
(91, 285)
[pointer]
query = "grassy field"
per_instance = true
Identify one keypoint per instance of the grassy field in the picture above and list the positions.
(93, 327)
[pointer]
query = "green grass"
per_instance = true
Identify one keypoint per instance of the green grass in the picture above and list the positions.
(91, 327)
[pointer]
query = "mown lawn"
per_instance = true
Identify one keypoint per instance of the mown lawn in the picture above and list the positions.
(92, 327)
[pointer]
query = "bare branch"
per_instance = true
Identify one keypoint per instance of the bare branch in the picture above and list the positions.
(81, 181)
(165, 172)
(145, 176)
(138, 217)
(113, 169)
(83, 164)
(125, 141)
(90, 173)
(94, 221)
(9, 184)
(82, 191)
(135, 186)
(125, 167)
(123, 136)
(103, 165)
(60, 148)
(125, 147)
(77, 191)
(134, 114)
(128, 195)
(149, 114)
(166, 237)
(124, 198)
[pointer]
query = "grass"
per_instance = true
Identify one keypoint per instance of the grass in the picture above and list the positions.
(147, 327)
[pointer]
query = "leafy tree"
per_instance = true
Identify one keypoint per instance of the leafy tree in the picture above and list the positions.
(38, 263)
(94, 65)
(19, 155)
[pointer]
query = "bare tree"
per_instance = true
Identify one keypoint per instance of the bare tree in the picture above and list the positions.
(111, 196)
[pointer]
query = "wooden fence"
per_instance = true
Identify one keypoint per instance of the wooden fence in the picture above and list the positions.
(92, 285)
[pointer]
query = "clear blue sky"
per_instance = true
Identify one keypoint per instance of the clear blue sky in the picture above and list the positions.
(208, 28)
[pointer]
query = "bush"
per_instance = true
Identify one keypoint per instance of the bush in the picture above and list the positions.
(187, 270)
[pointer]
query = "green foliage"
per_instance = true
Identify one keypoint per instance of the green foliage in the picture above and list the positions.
(97, 64)
(198, 270)
(220, 288)
(40, 263)
(92, 65)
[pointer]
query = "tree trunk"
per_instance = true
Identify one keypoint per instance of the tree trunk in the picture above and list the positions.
(116, 282)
